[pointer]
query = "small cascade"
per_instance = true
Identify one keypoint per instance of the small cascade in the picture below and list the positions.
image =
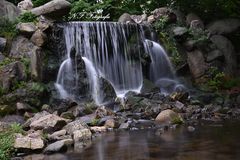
(161, 70)
(111, 51)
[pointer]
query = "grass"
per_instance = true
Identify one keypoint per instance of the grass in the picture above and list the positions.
(7, 138)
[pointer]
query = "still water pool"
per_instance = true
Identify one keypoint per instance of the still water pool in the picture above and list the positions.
(207, 142)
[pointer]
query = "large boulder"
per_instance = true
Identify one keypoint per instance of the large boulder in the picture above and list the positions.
(22, 47)
(39, 38)
(26, 28)
(54, 9)
(75, 125)
(168, 117)
(164, 12)
(227, 48)
(139, 18)
(11, 74)
(8, 11)
(28, 142)
(224, 26)
(49, 123)
(37, 65)
(3, 43)
(58, 146)
(196, 63)
(126, 18)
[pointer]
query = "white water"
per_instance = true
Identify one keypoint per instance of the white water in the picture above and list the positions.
(107, 51)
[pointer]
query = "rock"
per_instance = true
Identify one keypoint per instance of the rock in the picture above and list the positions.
(67, 115)
(179, 96)
(224, 26)
(11, 74)
(35, 118)
(26, 142)
(101, 112)
(97, 129)
(227, 48)
(5, 110)
(190, 128)
(49, 123)
(25, 5)
(58, 135)
(164, 12)
(22, 47)
(59, 146)
(125, 18)
(44, 24)
(3, 43)
(214, 55)
(110, 123)
(75, 125)
(197, 25)
(139, 18)
(124, 125)
(151, 19)
(36, 65)
(168, 117)
(189, 45)
(23, 107)
(179, 31)
(54, 9)
(10, 119)
(192, 19)
(9, 10)
(4, 126)
(2, 57)
(39, 38)
(26, 29)
(34, 157)
(179, 105)
(148, 87)
(196, 63)
(82, 135)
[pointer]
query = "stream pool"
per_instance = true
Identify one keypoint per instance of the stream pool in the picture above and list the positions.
(207, 142)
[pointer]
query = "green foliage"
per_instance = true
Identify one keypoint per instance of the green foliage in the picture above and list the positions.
(7, 28)
(19, 84)
(26, 62)
(27, 17)
(94, 122)
(177, 120)
(7, 140)
(37, 3)
(38, 87)
(6, 61)
(161, 24)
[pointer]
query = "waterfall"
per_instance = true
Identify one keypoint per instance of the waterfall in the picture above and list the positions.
(112, 51)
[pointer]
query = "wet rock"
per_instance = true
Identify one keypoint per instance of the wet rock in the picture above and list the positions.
(189, 45)
(168, 117)
(36, 65)
(9, 10)
(26, 28)
(26, 142)
(3, 43)
(179, 96)
(10, 74)
(23, 107)
(148, 87)
(139, 18)
(75, 125)
(224, 26)
(214, 55)
(67, 115)
(82, 135)
(110, 123)
(102, 112)
(22, 47)
(179, 105)
(87, 119)
(59, 146)
(35, 157)
(196, 63)
(227, 48)
(124, 125)
(25, 5)
(125, 18)
(190, 128)
(97, 129)
(44, 24)
(5, 110)
(2, 57)
(39, 38)
(49, 123)
(53, 9)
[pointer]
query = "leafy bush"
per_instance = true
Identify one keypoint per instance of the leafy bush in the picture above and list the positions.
(7, 28)
(38, 87)
(27, 17)
(7, 141)
(37, 3)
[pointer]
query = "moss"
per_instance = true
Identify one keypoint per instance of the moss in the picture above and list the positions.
(177, 120)
(7, 140)
(94, 122)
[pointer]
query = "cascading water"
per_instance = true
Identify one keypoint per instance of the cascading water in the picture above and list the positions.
(112, 51)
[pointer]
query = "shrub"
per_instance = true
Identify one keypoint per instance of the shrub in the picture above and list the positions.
(27, 17)
(7, 28)
(37, 3)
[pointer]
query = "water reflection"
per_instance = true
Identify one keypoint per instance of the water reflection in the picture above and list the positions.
(205, 143)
